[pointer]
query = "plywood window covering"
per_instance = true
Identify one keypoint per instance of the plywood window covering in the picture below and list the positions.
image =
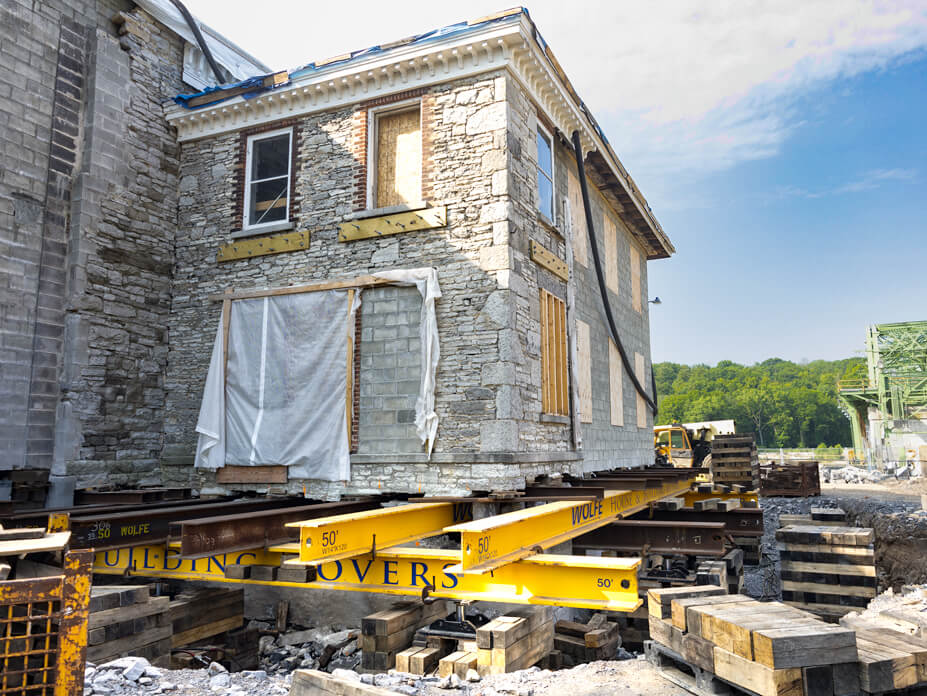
(635, 279)
(611, 254)
(267, 178)
(555, 385)
(584, 369)
(398, 157)
(641, 373)
(577, 219)
(615, 379)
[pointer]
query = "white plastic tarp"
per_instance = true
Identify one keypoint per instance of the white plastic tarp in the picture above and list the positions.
(426, 280)
(284, 400)
(287, 381)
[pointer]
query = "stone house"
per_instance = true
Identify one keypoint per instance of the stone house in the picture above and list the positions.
(449, 151)
(158, 269)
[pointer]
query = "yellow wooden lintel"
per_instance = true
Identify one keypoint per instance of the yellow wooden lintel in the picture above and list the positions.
(261, 246)
(549, 260)
(425, 219)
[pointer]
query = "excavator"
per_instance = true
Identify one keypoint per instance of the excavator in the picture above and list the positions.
(687, 445)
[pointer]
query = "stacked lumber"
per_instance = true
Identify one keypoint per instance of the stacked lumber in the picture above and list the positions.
(387, 633)
(769, 649)
(889, 657)
(734, 460)
(712, 572)
(825, 569)
(204, 613)
(597, 639)
(734, 564)
(126, 620)
(796, 479)
(824, 517)
(458, 662)
(23, 489)
(516, 641)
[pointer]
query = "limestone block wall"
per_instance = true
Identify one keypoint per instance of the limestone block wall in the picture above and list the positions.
(604, 445)
(465, 141)
(87, 211)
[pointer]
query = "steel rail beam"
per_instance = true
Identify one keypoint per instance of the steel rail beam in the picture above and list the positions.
(739, 522)
(344, 536)
(34, 518)
(226, 533)
(633, 536)
(146, 525)
(490, 543)
(691, 496)
(604, 584)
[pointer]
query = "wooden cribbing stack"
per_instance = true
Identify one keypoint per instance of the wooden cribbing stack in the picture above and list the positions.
(734, 460)
(794, 479)
(827, 569)
(125, 620)
(516, 641)
(388, 633)
(597, 639)
(770, 648)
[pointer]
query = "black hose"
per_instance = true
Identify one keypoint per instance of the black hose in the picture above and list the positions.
(195, 28)
(578, 151)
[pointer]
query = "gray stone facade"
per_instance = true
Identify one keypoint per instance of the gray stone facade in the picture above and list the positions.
(110, 231)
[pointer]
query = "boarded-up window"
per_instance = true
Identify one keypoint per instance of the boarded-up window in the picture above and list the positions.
(399, 158)
(611, 254)
(577, 219)
(615, 378)
(641, 373)
(635, 278)
(555, 386)
(584, 368)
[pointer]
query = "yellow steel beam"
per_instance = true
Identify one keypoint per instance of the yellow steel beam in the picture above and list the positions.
(344, 536)
(606, 584)
(490, 543)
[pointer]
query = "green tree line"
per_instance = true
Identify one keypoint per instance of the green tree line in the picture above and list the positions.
(784, 403)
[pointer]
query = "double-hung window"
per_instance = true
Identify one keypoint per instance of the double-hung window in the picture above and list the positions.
(267, 180)
(545, 174)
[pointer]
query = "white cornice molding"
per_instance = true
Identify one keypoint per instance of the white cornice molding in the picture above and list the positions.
(507, 45)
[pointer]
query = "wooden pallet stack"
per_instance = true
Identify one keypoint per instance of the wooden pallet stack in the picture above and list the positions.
(791, 479)
(823, 517)
(387, 633)
(889, 657)
(126, 620)
(826, 569)
(769, 649)
(734, 460)
(597, 639)
(516, 641)
(23, 489)
(204, 613)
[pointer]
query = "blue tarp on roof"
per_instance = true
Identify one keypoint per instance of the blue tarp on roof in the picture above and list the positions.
(309, 68)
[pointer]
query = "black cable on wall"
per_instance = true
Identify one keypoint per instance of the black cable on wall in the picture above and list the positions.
(652, 402)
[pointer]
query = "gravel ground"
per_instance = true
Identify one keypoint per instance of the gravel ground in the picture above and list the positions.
(131, 676)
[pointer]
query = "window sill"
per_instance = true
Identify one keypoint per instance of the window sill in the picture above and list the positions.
(264, 229)
(553, 419)
(388, 210)
(548, 224)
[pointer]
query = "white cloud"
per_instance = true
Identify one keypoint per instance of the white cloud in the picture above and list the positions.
(677, 85)
(867, 181)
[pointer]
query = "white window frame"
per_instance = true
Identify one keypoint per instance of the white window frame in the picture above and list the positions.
(373, 119)
(553, 174)
(275, 224)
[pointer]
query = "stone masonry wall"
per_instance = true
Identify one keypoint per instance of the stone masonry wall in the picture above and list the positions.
(604, 445)
(467, 142)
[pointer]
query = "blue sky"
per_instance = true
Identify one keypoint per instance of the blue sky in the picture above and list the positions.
(781, 144)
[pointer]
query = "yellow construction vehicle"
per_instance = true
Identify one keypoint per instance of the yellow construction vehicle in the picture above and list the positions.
(687, 445)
